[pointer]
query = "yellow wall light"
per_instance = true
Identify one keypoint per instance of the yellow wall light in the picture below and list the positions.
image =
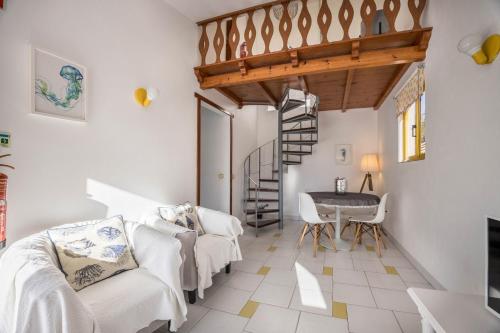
(482, 51)
(144, 96)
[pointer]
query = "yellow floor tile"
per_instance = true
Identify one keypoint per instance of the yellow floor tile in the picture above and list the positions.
(370, 248)
(321, 249)
(272, 248)
(339, 310)
(391, 270)
(264, 270)
(327, 270)
(249, 309)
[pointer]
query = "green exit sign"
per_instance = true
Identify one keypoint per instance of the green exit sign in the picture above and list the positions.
(4, 139)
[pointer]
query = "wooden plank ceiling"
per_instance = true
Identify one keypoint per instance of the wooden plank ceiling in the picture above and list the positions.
(348, 74)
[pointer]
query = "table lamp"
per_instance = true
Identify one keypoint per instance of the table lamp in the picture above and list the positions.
(369, 163)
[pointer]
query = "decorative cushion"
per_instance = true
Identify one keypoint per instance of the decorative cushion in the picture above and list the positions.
(184, 215)
(93, 251)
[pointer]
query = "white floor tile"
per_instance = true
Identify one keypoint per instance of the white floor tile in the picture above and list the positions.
(409, 322)
(220, 322)
(281, 277)
(361, 253)
(411, 275)
(247, 265)
(349, 277)
(387, 281)
(257, 255)
(355, 295)
(272, 319)
(368, 265)
(195, 313)
(313, 301)
(313, 323)
(273, 294)
(281, 262)
(285, 252)
(313, 267)
(398, 262)
(419, 285)
(228, 300)
(394, 300)
(244, 281)
(310, 281)
(368, 320)
(342, 263)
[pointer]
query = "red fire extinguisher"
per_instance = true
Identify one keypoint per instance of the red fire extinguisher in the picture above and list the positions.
(3, 205)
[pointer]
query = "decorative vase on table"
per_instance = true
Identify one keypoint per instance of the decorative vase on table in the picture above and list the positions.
(340, 185)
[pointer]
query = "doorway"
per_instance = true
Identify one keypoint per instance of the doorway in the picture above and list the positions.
(214, 156)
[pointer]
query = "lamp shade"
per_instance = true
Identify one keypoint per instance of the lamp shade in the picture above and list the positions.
(369, 163)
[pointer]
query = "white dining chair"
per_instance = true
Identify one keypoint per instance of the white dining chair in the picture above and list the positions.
(313, 223)
(370, 224)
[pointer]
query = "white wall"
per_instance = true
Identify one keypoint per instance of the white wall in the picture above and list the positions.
(437, 206)
(69, 171)
(317, 172)
(215, 156)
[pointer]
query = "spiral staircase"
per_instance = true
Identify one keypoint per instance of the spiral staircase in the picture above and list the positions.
(265, 167)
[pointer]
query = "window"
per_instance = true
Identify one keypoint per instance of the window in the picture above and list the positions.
(410, 104)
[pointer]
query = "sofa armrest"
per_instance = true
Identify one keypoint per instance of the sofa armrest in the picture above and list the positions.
(221, 224)
(160, 255)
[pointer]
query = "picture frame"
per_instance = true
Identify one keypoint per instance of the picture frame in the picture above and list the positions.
(58, 86)
(343, 154)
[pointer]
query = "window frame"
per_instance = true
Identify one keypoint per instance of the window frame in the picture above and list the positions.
(419, 155)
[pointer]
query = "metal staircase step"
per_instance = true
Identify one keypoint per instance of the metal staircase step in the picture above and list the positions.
(263, 189)
(300, 142)
(296, 152)
(262, 200)
(292, 104)
(263, 223)
(269, 180)
(300, 117)
(261, 211)
(291, 162)
(300, 130)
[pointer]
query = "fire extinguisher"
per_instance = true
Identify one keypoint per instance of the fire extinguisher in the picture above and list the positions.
(3, 205)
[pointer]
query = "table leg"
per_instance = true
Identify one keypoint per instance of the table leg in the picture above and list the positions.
(427, 327)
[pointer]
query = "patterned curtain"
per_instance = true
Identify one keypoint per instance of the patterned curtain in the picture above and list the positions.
(411, 91)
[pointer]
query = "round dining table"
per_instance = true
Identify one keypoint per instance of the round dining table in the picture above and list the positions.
(341, 201)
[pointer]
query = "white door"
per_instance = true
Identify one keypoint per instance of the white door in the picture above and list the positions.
(214, 159)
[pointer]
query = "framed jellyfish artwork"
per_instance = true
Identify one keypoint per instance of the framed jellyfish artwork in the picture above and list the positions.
(58, 86)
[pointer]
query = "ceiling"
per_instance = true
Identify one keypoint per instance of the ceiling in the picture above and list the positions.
(197, 10)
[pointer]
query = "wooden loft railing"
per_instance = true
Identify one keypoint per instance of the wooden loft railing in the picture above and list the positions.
(274, 59)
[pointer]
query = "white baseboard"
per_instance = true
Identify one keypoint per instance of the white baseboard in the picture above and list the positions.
(435, 283)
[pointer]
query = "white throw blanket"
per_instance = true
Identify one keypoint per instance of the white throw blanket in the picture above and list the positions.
(36, 298)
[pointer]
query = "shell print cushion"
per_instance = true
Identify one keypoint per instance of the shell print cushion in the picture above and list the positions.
(184, 215)
(93, 251)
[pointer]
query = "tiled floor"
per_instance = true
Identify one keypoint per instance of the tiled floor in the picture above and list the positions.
(279, 288)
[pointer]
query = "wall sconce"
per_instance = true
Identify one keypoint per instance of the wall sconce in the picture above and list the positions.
(144, 96)
(481, 50)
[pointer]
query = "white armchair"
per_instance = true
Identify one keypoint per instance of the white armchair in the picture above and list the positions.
(212, 251)
(35, 296)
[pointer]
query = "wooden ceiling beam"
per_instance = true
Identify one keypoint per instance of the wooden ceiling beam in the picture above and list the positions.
(231, 96)
(355, 50)
(347, 90)
(367, 59)
(269, 95)
(395, 79)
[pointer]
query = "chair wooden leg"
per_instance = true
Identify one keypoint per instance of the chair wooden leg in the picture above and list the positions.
(315, 240)
(303, 234)
(355, 240)
(329, 233)
(344, 227)
(380, 232)
(360, 235)
(375, 233)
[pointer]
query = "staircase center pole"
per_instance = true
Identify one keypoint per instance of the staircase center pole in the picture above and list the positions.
(280, 165)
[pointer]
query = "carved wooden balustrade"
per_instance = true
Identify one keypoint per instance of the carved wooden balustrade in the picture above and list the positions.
(324, 20)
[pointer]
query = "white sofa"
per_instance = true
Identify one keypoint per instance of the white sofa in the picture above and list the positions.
(213, 251)
(35, 296)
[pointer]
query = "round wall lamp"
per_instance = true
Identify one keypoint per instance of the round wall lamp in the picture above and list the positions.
(144, 96)
(483, 51)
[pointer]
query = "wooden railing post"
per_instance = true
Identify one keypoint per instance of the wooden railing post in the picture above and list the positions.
(416, 12)
(250, 33)
(234, 37)
(391, 14)
(285, 26)
(218, 41)
(368, 11)
(204, 44)
(324, 20)
(346, 14)
(304, 22)
(267, 29)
